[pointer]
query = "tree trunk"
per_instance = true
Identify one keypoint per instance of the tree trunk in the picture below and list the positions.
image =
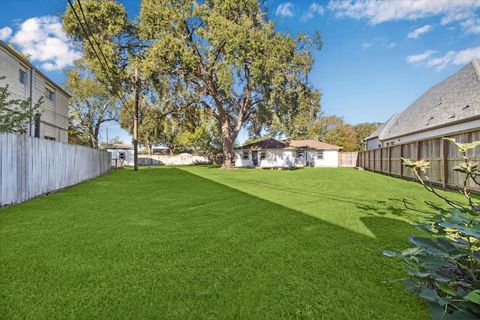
(228, 139)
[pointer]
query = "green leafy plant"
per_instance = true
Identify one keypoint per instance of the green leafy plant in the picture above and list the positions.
(15, 114)
(444, 264)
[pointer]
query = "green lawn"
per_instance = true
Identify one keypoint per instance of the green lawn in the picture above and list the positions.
(204, 243)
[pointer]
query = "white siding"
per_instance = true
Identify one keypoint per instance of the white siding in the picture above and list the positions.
(330, 159)
(128, 155)
(286, 158)
(373, 144)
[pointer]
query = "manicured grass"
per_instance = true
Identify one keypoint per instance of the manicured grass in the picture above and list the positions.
(204, 243)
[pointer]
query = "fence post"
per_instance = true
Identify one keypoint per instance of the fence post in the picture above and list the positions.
(381, 159)
(444, 161)
(374, 160)
(419, 149)
(390, 160)
(401, 156)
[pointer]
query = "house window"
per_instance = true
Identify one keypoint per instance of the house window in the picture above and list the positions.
(22, 76)
(320, 155)
(392, 143)
(263, 155)
(300, 154)
(49, 138)
(245, 155)
(50, 95)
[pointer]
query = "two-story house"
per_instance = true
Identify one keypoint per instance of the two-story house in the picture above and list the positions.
(25, 81)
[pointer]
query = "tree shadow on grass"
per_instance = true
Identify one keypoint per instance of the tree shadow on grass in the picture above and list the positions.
(171, 244)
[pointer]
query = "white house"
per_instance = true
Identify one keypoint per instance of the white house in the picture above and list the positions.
(273, 153)
(451, 106)
(122, 154)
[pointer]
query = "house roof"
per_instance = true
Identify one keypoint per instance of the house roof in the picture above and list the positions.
(384, 127)
(271, 143)
(25, 61)
(453, 100)
(268, 143)
(312, 144)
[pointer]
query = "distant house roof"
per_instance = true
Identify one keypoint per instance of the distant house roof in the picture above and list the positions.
(312, 144)
(455, 99)
(271, 143)
(119, 146)
(383, 127)
(268, 143)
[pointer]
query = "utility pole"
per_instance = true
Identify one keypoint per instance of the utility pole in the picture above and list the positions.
(135, 122)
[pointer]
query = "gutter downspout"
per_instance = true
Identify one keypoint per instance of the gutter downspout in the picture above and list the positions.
(31, 101)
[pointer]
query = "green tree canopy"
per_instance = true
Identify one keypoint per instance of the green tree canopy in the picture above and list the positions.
(333, 130)
(364, 130)
(227, 58)
(90, 105)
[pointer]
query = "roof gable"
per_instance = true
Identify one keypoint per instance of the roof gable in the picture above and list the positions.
(269, 143)
(453, 100)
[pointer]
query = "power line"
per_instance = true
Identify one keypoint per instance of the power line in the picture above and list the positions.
(91, 34)
(96, 54)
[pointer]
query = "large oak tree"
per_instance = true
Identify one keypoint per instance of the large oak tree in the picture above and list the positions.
(224, 56)
(228, 58)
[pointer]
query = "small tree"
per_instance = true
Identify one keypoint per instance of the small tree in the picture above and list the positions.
(334, 130)
(444, 265)
(91, 105)
(16, 114)
(203, 136)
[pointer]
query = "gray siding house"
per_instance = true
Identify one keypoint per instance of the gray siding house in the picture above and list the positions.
(25, 81)
(449, 107)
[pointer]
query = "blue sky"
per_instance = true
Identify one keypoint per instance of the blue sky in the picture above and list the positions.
(378, 56)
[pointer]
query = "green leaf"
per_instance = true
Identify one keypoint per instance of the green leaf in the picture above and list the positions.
(464, 147)
(473, 296)
(390, 254)
(445, 288)
(432, 296)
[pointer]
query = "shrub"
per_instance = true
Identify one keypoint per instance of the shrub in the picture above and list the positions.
(444, 265)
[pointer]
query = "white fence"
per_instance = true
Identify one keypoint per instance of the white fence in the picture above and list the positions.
(183, 159)
(30, 167)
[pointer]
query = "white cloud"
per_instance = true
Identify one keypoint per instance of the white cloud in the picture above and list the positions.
(378, 11)
(419, 31)
(5, 33)
(420, 57)
(455, 57)
(366, 45)
(381, 42)
(312, 11)
(284, 10)
(44, 40)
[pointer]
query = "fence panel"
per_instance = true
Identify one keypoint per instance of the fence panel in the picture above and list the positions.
(396, 162)
(454, 158)
(431, 150)
(348, 159)
(409, 151)
(30, 167)
(441, 165)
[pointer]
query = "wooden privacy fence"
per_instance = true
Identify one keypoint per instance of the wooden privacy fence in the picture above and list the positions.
(30, 167)
(442, 154)
(347, 159)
